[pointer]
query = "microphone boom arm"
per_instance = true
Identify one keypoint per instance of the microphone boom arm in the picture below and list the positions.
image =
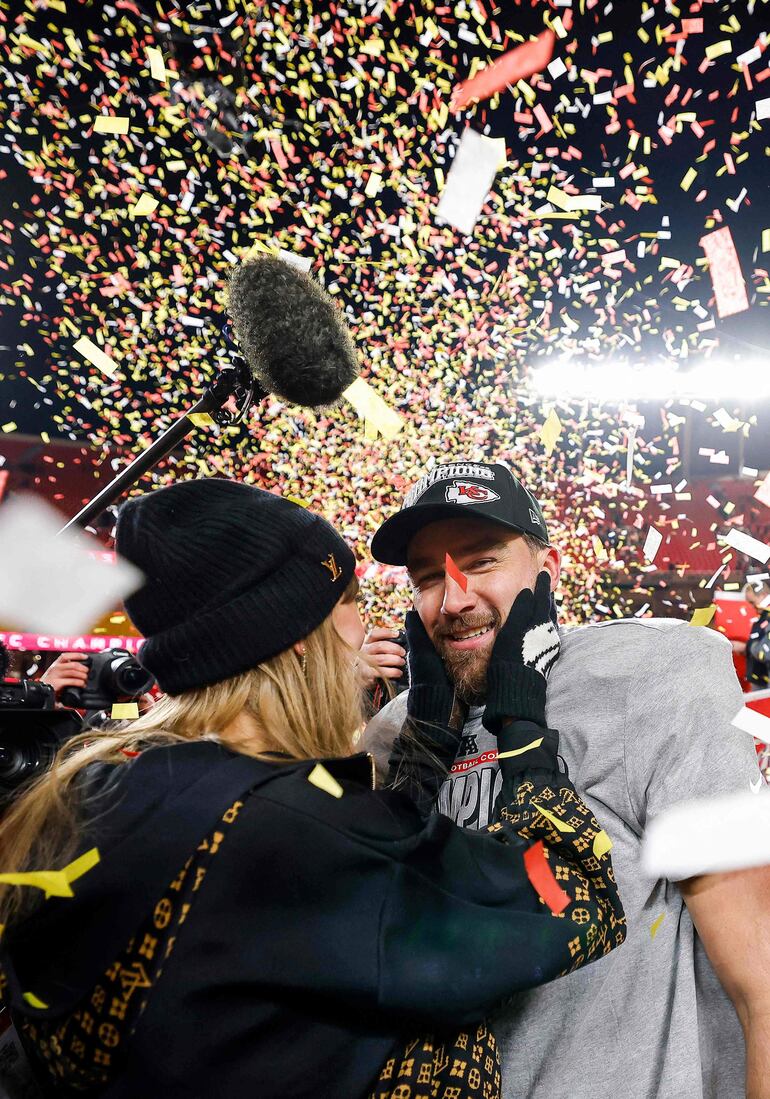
(233, 380)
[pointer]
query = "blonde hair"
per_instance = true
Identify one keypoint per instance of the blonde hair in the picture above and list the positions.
(304, 707)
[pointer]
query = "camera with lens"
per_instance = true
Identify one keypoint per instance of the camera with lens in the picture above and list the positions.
(112, 675)
(31, 730)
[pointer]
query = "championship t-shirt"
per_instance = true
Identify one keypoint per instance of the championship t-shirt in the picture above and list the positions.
(643, 709)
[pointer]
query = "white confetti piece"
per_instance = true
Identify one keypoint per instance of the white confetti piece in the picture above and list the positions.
(473, 170)
(763, 492)
(752, 547)
(652, 543)
(708, 836)
(50, 582)
(753, 723)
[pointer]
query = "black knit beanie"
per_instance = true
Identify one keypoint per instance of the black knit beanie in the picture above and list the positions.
(234, 575)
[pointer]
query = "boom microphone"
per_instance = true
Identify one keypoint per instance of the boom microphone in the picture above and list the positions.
(291, 334)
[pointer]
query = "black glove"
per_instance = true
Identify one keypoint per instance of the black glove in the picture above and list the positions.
(523, 654)
(426, 747)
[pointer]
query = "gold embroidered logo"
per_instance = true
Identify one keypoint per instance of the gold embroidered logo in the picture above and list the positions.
(333, 567)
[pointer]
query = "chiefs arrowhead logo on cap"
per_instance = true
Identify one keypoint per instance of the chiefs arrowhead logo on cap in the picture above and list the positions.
(468, 492)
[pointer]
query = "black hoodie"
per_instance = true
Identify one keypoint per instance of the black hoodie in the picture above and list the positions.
(323, 930)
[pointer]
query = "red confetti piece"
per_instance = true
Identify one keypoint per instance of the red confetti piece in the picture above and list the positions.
(453, 571)
(726, 274)
(542, 879)
(518, 64)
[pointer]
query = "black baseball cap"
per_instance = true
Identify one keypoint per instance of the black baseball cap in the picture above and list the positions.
(483, 489)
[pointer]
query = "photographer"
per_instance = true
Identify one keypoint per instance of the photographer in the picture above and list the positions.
(228, 915)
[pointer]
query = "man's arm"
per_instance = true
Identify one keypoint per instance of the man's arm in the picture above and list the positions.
(731, 913)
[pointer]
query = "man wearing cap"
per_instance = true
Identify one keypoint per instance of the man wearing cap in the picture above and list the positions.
(643, 708)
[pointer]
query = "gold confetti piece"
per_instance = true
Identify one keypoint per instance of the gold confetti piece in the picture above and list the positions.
(370, 406)
(298, 500)
(156, 63)
(34, 1001)
(91, 351)
(550, 432)
(321, 778)
(561, 825)
(370, 430)
(10, 426)
(110, 124)
(602, 844)
(55, 883)
(717, 49)
(599, 549)
(703, 615)
(689, 178)
(656, 925)
(200, 419)
(520, 751)
(124, 711)
(766, 240)
(146, 204)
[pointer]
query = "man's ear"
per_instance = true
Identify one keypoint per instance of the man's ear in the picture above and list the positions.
(552, 564)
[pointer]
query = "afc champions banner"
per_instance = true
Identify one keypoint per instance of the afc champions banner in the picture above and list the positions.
(88, 643)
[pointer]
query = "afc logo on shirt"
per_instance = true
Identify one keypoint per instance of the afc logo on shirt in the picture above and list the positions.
(470, 791)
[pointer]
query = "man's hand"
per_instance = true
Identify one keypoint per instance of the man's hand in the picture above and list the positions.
(68, 670)
(380, 657)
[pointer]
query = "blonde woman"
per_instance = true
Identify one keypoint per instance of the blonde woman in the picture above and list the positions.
(231, 908)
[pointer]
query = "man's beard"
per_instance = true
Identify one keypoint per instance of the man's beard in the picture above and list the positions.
(467, 668)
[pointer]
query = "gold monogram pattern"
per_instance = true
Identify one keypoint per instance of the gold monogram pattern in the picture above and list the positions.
(465, 1067)
(587, 879)
(83, 1050)
(331, 564)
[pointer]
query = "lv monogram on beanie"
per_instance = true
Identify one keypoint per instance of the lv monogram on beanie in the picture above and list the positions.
(233, 576)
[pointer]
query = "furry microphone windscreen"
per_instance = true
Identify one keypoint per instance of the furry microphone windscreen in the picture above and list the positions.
(290, 332)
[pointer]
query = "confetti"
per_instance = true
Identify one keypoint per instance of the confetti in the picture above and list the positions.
(370, 406)
(145, 205)
(763, 492)
(321, 778)
(474, 167)
(454, 573)
(518, 64)
(550, 432)
(124, 711)
(752, 722)
(34, 557)
(95, 355)
(655, 925)
(702, 616)
(157, 64)
(602, 844)
(520, 751)
(708, 836)
(652, 544)
(110, 124)
(55, 883)
(726, 275)
(559, 825)
(744, 543)
(542, 879)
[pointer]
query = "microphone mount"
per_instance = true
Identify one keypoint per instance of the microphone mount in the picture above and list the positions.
(234, 380)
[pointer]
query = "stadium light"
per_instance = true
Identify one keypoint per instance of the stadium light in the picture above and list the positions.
(616, 381)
